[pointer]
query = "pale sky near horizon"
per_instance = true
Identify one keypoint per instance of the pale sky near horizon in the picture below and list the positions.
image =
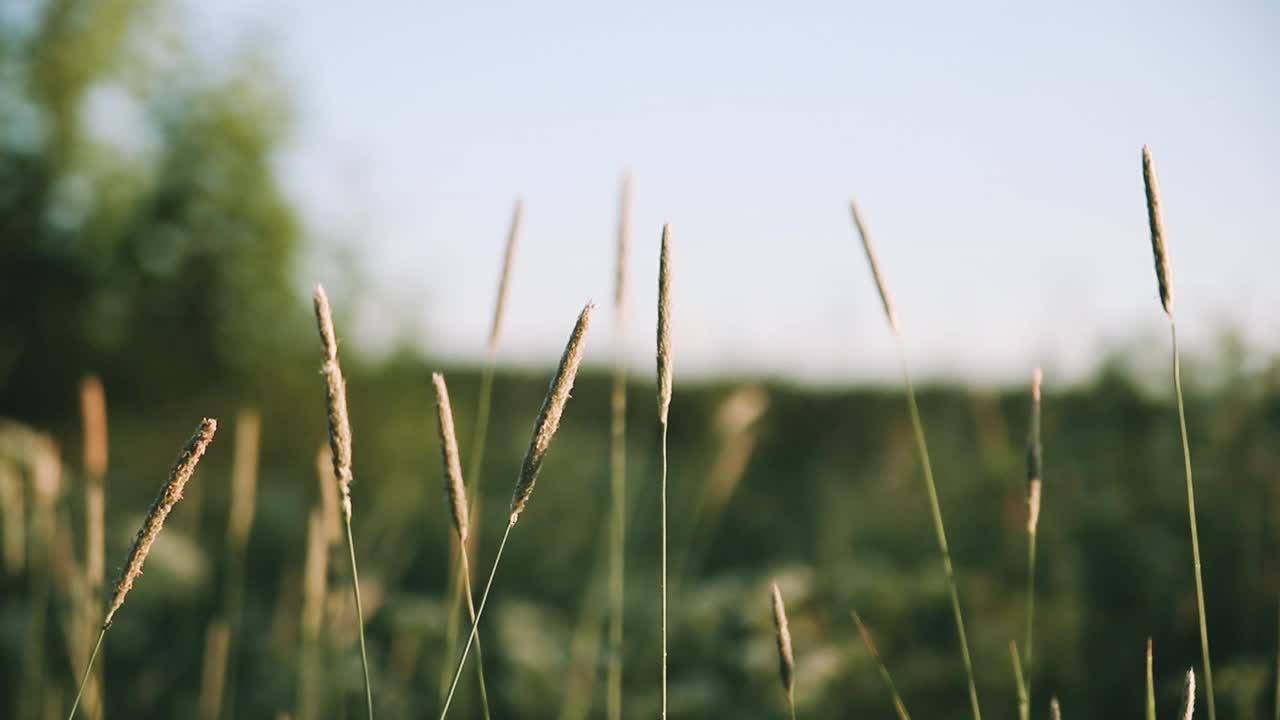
(993, 148)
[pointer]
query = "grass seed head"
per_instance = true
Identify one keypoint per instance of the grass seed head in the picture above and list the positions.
(336, 400)
(454, 490)
(1189, 695)
(1034, 455)
(170, 494)
(1155, 219)
(664, 326)
(544, 428)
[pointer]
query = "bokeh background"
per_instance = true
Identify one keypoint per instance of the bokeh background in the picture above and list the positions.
(175, 176)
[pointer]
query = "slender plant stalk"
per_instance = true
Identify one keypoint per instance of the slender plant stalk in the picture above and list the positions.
(1055, 710)
(918, 427)
(1034, 472)
(898, 705)
(170, 494)
(1024, 700)
(618, 466)
(544, 430)
(480, 435)
(1151, 686)
(340, 445)
(93, 410)
(88, 670)
(455, 491)
(1164, 280)
(664, 411)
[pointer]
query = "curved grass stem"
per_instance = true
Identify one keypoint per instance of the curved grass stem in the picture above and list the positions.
(355, 586)
(88, 671)
(1191, 516)
(954, 592)
(484, 598)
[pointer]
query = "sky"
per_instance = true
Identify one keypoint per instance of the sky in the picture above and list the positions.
(993, 147)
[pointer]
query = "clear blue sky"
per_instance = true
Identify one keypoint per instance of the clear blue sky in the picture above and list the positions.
(993, 147)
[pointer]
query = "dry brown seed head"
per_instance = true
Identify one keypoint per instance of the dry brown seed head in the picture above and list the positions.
(454, 490)
(544, 428)
(170, 494)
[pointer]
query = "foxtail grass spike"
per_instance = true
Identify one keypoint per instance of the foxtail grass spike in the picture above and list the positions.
(340, 447)
(170, 493)
(922, 447)
(1160, 249)
(1155, 220)
(544, 429)
(1189, 695)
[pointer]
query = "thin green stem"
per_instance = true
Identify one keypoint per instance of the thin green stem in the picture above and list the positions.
(1031, 609)
(88, 670)
(1191, 515)
(923, 448)
(618, 538)
(471, 611)
(355, 586)
(791, 706)
(1024, 700)
(663, 580)
(484, 598)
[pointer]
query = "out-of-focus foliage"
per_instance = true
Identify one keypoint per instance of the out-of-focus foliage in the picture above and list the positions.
(142, 232)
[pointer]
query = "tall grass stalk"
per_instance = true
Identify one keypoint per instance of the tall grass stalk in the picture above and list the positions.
(93, 412)
(544, 430)
(1055, 710)
(922, 447)
(664, 409)
(1151, 686)
(1024, 700)
(479, 437)
(170, 494)
(1035, 462)
(339, 424)
(898, 705)
(1164, 280)
(618, 464)
(456, 493)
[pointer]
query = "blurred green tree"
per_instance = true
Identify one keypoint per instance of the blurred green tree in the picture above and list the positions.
(143, 232)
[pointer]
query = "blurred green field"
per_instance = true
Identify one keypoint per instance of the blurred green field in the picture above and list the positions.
(829, 502)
